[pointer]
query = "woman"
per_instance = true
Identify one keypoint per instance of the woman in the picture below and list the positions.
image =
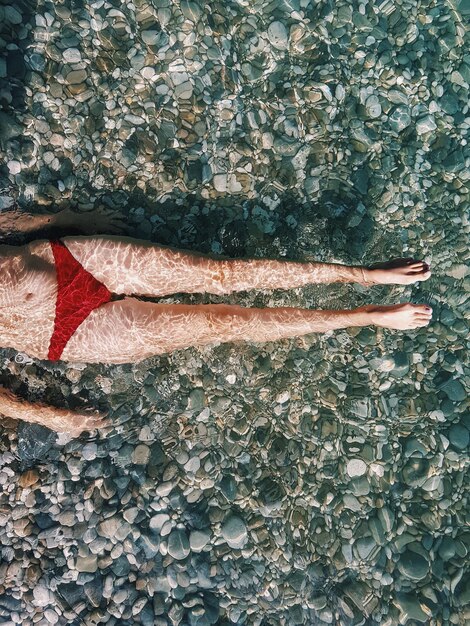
(71, 299)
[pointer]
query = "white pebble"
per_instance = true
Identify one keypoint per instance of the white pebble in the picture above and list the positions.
(42, 595)
(14, 167)
(72, 55)
(277, 35)
(356, 467)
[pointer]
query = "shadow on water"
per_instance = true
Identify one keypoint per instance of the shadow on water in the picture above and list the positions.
(338, 224)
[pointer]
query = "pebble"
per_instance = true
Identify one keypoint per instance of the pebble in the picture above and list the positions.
(89, 451)
(455, 390)
(234, 532)
(141, 454)
(356, 467)
(413, 565)
(12, 15)
(275, 131)
(42, 596)
(150, 37)
(373, 107)
(87, 564)
(75, 77)
(400, 118)
(14, 167)
(28, 479)
(157, 521)
(459, 436)
(198, 539)
(425, 124)
(277, 35)
(72, 55)
(178, 544)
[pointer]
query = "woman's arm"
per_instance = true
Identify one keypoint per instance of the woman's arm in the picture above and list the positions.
(102, 220)
(61, 420)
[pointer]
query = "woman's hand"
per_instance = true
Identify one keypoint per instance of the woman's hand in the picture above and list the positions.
(99, 221)
(91, 419)
(57, 419)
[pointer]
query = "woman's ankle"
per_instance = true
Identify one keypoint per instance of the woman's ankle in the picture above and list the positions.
(364, 315)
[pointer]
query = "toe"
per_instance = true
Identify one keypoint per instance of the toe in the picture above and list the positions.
(423, 309)
(425, 275)
(419, 323)
(423, 323)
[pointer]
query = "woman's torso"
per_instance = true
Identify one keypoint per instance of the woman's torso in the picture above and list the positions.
(28, 291)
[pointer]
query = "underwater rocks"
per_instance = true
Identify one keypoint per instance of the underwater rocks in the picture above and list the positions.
(319, 480)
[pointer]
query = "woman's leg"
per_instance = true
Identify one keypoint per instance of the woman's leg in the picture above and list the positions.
(133, 266)
(130, 330)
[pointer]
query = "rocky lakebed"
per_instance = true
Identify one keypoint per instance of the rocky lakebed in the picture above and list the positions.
(320, 480)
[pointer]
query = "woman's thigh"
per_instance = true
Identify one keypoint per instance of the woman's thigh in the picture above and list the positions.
(138, 267)
(130, 330)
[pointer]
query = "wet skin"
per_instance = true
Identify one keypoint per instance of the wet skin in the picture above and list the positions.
(131, 330)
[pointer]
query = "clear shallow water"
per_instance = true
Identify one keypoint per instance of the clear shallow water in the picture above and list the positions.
(323, 480)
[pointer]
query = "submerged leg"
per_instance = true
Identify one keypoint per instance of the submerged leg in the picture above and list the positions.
(130, 330)
(133, 266)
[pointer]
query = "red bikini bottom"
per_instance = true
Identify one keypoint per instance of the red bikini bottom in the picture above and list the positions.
(78, 294)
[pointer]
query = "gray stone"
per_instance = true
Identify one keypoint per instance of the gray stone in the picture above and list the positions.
(401, 364)
(6, 202)
(412, 565)
(87, 563)
(114, 528)
(220, 182)
(459, 436)
(454, 390)
(373, 107)
(425, 124)
(410, 608)
(277, 35)
(157, 521)
(365, 546)
(178, 544)
(198, 539)
(76, 77)
(234, 532)
(147, 615)
(9, 128)
(72, 55)
(42, 595)
(34, 441)
(400, 119)
(191, 10)
(150, 37)
(14, 167)
(12, 15)
(141, 454)
(89, 451)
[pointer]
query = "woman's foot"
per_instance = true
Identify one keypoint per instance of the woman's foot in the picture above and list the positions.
(397, 272)
(399, 316)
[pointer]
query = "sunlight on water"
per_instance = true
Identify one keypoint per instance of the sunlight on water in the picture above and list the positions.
(314, 481)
